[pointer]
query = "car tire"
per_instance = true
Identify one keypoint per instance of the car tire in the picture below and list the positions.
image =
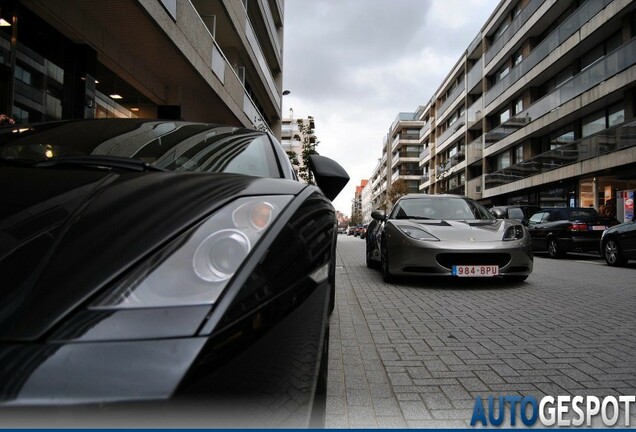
(515, 278)
(384, 265)
(613, 254)
(554, 251)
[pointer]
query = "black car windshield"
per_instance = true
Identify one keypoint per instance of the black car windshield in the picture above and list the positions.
(440, 208)
(168, 145)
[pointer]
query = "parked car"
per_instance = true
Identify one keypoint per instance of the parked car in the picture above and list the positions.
(519, 212)
(362, 231)
(618, 243)
(342, 230)
(560, 230)
(447, 235)
(351, 230)
(155, 261)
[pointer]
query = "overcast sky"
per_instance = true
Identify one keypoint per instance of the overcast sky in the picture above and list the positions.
(355, 64)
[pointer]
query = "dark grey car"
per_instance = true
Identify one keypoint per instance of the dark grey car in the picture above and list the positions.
(447, 235)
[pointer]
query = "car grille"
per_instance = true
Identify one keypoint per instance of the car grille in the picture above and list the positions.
(448, 260)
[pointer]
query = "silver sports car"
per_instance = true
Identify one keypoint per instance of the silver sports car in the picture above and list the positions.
(447, 235)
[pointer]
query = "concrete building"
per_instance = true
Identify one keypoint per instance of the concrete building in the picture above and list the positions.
(356, 203)
(538, 109)
(199, 60)
(296, 131)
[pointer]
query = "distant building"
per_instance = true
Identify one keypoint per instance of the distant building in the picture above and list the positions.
(198, 60)
(294, 134)
(356, 204)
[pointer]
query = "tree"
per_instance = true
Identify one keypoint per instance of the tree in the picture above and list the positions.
(356, 219)
(309, 144)
(293, 158)
(397, 189)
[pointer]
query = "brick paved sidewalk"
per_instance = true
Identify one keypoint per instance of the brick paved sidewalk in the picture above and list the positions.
(410, 355)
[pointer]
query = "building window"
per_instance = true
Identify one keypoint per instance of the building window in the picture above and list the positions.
(504, 116)
(502, 161)
(518, 106)
(519, 154)
(616, 115)
(593, 124)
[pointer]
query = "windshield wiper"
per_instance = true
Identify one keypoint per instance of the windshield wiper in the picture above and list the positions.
(116, 162)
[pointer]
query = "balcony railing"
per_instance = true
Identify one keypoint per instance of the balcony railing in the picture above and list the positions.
(425, 153)
(260, 57)
(604, 68)
(269, 19)
(474, 75)
(450, 131)
(607, 141)
(475, 112)
(474, 150)
(513, 28)
(451, 98)
(567, 28)
(410, 172)
(425, 129)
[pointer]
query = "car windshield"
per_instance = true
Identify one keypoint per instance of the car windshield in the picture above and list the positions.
(441, 208)
(174, 146)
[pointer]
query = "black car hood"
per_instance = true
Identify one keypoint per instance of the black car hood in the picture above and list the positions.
(66, 233)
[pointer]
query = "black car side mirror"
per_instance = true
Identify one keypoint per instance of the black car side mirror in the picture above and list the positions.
(498, 213)
(330, 176)
(379, 215)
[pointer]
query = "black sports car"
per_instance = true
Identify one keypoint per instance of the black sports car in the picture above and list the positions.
(144, 262)
(618, 243)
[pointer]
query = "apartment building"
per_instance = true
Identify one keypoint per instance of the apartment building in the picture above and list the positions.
(538, 109)
(295, 132)
(199, 60)
(401, 149)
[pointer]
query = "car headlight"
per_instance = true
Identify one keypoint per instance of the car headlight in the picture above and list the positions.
(417, 233)
(195, 268)
(514, 232)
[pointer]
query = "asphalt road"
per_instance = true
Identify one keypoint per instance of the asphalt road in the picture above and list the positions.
(417, 352)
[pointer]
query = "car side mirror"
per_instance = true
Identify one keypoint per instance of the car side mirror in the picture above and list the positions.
(498, 213)
(379, 215)
(330, 177)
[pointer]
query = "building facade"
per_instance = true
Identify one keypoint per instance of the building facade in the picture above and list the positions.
(198, 60)
(539, 109)
(295, 133)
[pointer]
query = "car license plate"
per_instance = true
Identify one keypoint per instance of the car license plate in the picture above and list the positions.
(599, 227)
(475, 270)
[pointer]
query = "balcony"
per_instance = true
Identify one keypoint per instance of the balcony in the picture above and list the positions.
(425, 153)
(474, 77)
(451, 98)
(570, 26)
(425, 129)
(452, 129)
(605, 142)
(260, 58)
(474, 150)
(604, 68)
(475, 112)
(513, 28)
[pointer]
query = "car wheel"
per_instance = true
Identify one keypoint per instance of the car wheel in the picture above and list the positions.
(515, 278)
(384, 263)
(554, 251)
(612, 253)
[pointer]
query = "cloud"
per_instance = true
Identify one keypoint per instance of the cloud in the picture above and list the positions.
(356, 64)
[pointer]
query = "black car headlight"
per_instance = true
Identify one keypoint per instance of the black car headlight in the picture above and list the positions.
(195, 268)
(417, 233)
(514, 232)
